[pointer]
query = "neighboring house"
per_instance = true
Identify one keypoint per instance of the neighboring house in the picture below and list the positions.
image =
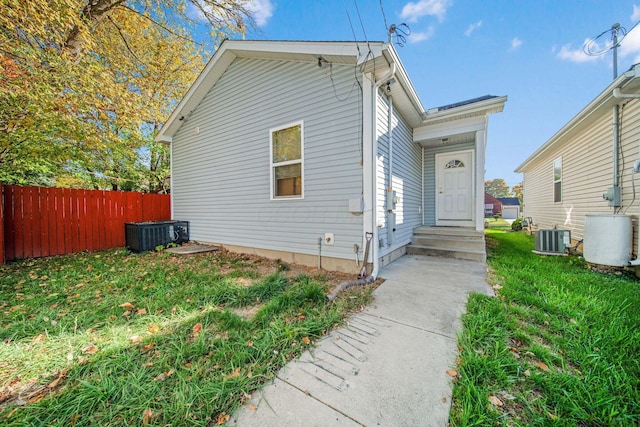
(492, 205)
(296, 150)
(510, 207)
(589, 160)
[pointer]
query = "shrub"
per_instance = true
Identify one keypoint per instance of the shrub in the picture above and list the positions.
(516, 225)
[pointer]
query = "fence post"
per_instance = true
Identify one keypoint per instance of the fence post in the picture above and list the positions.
(1, 225)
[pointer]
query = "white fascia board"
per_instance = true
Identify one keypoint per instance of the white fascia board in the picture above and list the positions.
(284, 48)
(445, 129)
(405, 81)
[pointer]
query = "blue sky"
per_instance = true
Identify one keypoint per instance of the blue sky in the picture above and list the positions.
(530, 50)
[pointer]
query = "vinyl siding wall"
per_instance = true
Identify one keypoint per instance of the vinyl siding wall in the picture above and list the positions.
(430, 177)
(407, 173)
(587, 167)
(221, 172)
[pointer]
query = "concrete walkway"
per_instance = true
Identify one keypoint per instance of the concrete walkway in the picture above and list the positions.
(387, 366)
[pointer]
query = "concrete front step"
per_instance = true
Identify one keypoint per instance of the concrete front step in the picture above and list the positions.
(449, 231)
(451, 242)
(473, 255)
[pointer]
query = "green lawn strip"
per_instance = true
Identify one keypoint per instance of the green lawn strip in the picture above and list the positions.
(119, 339)
(558, 346)
(497, 223)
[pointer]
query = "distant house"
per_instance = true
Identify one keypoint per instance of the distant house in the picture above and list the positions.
(587, 167)
(492, 205)
(510, 207)
(304, 150)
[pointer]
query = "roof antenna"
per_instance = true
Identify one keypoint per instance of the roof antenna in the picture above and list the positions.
(400, 32)
(618, 33)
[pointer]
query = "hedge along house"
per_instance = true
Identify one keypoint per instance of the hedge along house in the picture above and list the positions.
(299, 150)
(585, 172)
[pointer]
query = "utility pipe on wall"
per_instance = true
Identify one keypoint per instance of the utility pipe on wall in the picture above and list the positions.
(374, 165)
(390, 224)
(616, 146)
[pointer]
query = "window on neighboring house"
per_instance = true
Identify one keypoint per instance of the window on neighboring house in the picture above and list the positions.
(286, 161)
(557, 180)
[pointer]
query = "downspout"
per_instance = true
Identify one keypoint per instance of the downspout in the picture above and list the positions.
(374, 164)
(616, 145)
(389, 199)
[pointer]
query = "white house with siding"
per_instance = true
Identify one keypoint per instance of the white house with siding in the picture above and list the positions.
(587, 167)
(300, 150)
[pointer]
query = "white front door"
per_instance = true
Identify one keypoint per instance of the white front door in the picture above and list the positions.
(454, 188)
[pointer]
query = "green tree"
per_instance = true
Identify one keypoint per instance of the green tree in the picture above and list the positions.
(85, 85)
(497, 188)
(517, 191)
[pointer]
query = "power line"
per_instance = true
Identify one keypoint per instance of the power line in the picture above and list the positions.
(384, 16)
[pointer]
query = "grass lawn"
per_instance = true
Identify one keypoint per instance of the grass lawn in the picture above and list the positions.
(559, 346)
(114, 338)
(498, 223)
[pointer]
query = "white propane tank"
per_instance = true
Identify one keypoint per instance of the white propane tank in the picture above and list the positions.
(608, 239)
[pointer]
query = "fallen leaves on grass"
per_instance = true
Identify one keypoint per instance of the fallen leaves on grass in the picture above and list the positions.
(542, 365)
(148, 416)
(135, 339)
(452, 373)
(222, 418)
(146, 348)
(153, 328)
(495, 401)
(126, 305)
(39, 339)
(195, 331)
(163, 376)
(141, 311)
(91, 349)
(234, 374)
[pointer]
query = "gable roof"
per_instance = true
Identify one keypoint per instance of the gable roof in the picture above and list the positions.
(509, 201)
(627, 82)
(374, 57)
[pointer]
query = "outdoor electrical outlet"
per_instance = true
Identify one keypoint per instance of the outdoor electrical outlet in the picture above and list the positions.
(328, 238)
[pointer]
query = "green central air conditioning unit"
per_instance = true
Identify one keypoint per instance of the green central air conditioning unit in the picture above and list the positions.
(552, 242)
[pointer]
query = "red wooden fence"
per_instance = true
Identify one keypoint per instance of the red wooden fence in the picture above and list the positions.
(38, 221)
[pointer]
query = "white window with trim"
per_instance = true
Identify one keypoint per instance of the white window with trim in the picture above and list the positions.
(557, 180)
(287, 166)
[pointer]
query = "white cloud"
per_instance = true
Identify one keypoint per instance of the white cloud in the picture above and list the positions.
(413, 11)
(516, 43)
(261, 10)
(472, 28)
(422, 36)
(636, 14)
(630, 45)
(575, 55)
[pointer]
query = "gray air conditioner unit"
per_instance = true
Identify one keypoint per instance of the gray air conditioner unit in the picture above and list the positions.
(552, 242)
